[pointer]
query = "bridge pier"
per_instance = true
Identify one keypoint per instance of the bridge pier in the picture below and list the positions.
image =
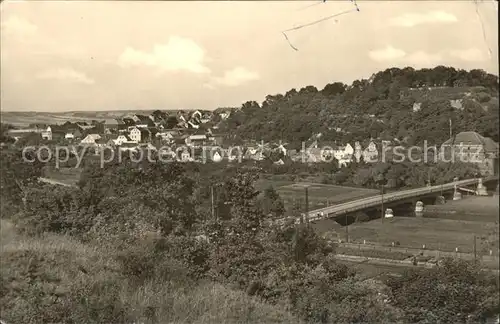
(440, 200)
(457, 195)
(481, 189)
(419, 209)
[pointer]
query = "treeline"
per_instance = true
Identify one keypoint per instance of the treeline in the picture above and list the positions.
(148, 221)
(379, 107)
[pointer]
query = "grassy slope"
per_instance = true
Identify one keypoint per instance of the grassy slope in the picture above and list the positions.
(52, 265)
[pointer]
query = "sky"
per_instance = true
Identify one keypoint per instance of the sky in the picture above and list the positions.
(119, 55)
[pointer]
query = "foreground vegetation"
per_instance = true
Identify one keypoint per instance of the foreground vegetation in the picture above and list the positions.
(135, 242)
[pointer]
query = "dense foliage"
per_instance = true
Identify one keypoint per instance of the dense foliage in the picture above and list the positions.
(380, 107)
(137, 246)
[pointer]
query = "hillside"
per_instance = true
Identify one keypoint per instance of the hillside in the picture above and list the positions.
(395, 103)
(403, 104)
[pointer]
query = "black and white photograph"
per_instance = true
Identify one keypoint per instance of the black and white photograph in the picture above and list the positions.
(224, 162)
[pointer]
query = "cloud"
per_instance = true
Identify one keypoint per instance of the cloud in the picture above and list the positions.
(179, 54)
(18, 26)
(235, 77)
(471, 55)
(386, 54)
(392, 54)
(414, 19)
(66, 74)
(422, 58)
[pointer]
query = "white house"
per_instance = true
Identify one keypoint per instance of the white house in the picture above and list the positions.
(224, 115)
(343, 154)
(358, 151)
(69, 136)
(166, 136)
(279, 162)
(196, 139)
(348, 149)
(185, 156)
(370, 154)
(196, 114)
(281, 148)
(47, 134)
(121, 139)
(135, 134)
(216, 157)
(90, 139)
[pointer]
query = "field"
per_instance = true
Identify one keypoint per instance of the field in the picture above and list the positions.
(436, 234)
(319, 194)
(477, 209)
(32, 117)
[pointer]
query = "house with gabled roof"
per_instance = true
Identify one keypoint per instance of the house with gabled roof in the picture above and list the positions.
(135, 134)
(370, 153)
(471, 147)
(90, 139)
(144, 121)
(121, 139)
(47, 134)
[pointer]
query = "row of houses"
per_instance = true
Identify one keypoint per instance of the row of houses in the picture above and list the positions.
(170, 120)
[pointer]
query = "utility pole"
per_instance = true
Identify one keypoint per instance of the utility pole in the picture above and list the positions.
(213, 205)
(307, 205)
(346, 229)
(382, 196)
(475, 250)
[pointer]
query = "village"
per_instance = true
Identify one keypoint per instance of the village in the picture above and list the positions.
(188, 136)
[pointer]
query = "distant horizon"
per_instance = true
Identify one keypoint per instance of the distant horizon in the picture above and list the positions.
(234, 107)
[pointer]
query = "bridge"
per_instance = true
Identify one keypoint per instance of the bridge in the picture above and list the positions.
(388, 198)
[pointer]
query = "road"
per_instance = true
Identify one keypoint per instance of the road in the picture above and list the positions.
(363, 203)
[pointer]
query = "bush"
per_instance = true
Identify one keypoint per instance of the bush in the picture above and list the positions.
(54, 279)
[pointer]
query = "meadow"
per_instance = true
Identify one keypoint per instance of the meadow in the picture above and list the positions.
(436, 234)
(290, 192)
(320, 195)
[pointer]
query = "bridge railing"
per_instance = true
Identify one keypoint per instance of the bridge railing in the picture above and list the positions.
(373, 201)
(351, 206)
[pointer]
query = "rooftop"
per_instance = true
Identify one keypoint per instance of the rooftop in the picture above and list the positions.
(473, 138)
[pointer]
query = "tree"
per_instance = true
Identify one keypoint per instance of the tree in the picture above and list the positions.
(455, 292)
(18, 174)
(4, 134)
(272, 204)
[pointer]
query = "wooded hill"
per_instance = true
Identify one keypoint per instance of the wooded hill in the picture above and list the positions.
(404, 104)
